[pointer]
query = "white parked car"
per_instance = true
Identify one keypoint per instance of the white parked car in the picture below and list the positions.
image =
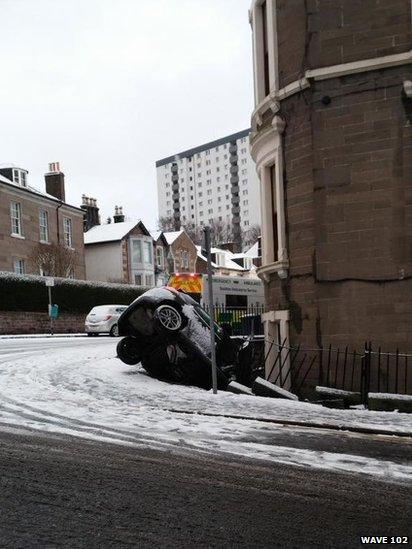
(103, 320)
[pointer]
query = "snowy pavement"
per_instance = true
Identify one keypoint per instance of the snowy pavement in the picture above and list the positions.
(77, 386)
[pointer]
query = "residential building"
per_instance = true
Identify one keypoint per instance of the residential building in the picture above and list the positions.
(226, 263)
(160, 254)
(331, 138)
(182, 253)
(122, 252)
(39, 232)
(216, 182)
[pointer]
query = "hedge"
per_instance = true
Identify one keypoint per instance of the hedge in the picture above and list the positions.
(29, 293)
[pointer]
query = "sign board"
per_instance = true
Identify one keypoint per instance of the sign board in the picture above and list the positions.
(49, 280)
(190, 283)
(53, 311)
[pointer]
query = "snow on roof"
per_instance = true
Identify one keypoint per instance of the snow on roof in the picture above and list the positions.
(5, 179)
(109, 232)
(171, 236)
(227, 263)
(253, 252)
(155, 235)
(33, 190)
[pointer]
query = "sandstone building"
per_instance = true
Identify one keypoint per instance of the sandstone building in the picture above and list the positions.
(34, 222)
(331, 138)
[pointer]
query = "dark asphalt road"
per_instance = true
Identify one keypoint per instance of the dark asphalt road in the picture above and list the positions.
(66, 492)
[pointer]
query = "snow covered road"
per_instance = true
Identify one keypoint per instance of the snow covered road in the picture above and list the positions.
(77, 386)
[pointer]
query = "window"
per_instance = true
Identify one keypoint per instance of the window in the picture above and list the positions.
(200, 204)
(243, 151)
(217, 149)
(244, 172)
(159, 256)
(19, 177)
(244, 192)
(265, 47)
(246, 223)
(246, 212)
(200, 194)
(219, 209)
(147, 252)
(199, 184)
(199, 165)
(68, 232)
(208, 172)
(44, 226)
(217, 159)
(169, 212)
(168, 203)
(15, 214)
(207, 153)
(149, 280)
(207, 162)
(218, 189)
(217, 169)
(138, 279)
(225, 156)
(245, 202)
(243, 161)
(201, 214)
(136, 253)
(209, 192)
(220, 259)
(218, 179)
(185, 259)
(210, 211)
(210, 201)
(168, 194)
(19, 266)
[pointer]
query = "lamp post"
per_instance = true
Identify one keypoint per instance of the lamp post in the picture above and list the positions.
(206, 250)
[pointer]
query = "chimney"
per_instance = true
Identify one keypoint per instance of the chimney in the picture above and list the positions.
(91, 212)
(55, 181)
(118, 214)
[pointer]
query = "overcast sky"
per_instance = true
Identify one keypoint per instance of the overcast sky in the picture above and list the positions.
(107, 87)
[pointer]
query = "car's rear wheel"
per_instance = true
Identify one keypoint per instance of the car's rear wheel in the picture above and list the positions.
(114, 331)
(169, 319)
(128, 350)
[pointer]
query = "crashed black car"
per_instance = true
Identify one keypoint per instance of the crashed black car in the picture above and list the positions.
(168, 332)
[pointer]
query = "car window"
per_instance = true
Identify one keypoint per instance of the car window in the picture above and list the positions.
(205, 318)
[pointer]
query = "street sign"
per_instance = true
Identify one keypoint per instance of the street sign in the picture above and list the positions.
(49, 280)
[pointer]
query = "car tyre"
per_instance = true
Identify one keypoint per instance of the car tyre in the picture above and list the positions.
(128, 350)
(168, 319)
(114, 331)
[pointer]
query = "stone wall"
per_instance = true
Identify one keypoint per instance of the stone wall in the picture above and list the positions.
(19, 322)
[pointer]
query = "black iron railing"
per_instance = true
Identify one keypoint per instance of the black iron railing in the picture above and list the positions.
(371, 370)
(242, 320)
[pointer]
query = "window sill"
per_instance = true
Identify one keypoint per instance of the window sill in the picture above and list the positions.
(14, 235)
(279, 267)
(45, 242)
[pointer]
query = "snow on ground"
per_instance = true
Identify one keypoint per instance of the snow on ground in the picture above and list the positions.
(86, 391)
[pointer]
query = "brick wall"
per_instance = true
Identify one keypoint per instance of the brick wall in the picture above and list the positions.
(18, 322)
(320, 33)
(12, 248)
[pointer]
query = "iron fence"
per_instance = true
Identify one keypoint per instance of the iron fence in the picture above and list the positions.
(242, 320)
(369, 370)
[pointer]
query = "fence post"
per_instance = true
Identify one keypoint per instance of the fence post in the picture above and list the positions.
(365, 374)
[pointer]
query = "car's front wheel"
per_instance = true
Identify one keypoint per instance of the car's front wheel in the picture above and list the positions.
(128, 350)
(169, 319)
(114, 331)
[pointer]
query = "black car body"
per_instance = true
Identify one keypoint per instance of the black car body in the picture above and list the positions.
(169, 333)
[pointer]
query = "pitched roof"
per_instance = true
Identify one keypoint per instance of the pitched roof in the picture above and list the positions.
(228, 263)
(171, 236)
(155, 235)
(35, 191)
(110, 232)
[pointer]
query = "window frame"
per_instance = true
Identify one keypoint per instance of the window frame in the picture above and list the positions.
(45, 227)
(68, 234)
(18, 219)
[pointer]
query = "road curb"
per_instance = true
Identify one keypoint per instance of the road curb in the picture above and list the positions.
(40, 336)
(310, 424)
